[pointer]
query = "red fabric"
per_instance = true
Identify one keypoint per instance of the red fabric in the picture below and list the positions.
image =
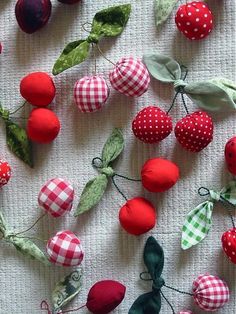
(137, 216)
(229, 244)
(195, 131)
(159, 175)
(105, 296)
(43, 125)
(194, 20)
(5, 173)
(230, 155)
(38, 89)
(152, 125)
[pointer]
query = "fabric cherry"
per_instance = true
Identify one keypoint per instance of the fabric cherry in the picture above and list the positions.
(152, 125)
(130, 77)
(159, 175)
(64, 249)
(229, 244)
(91, 93)
(137, 216)
(5, 173)
(38, 89)
(43, 125)
(195, 131)
(105, 296)
(194, 20)
(230, 155)
(56, 197)
(210, 293)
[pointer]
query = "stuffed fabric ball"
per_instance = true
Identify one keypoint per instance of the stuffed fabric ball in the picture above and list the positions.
(152, 125)
(159, 175)
(130, 77)
(56, 197)
(64, 249)
(229, 244)
(194, 20)
(210, 292)
(38, 89)
(91, 93)
(43, 125)
(137, 216)
(5, 173)
(105, 296)
(230, 155)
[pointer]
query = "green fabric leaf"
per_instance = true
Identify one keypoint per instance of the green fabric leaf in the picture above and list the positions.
(113, 147)
(229, 193)
(197, 225)
(66, 289)
(153, 257)
(3, 225)
(92, 193)
(74, 53)
(162, 68)
(111, 21)
(28, 248)
(163, 9)
(148, 303)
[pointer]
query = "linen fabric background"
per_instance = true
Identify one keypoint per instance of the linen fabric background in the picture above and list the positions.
(110, 253)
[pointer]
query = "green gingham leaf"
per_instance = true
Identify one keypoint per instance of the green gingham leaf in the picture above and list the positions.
(163, 9)
(197, 225)
(148, 303)
(113, 147)
(66, 289)
(229, 193)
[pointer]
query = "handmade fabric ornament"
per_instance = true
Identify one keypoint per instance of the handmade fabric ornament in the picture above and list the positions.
(43, 125)
(137, 216)
(32, 15)
(130, 77)
(56, 197)
(64, 249)
(91, 93)
(159, 175)
(5, 173)
(194, 20)
(215, 94)
(152, 125)
(38, 89)
(230, 155)
(198, 221)
(109, 22)
(229, 244)
(163, 9)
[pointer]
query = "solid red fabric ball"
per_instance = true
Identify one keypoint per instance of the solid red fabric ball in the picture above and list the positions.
(43, 125)
(38, 89)
(137, 216)
(230, 155)
(105, 296)
(159, 175)
(5, 173)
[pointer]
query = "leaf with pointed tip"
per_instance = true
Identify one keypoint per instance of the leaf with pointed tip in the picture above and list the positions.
(113, 147)
(3, 224)
(163, 9)
(153, 257)
(148, 303)
(229, 193)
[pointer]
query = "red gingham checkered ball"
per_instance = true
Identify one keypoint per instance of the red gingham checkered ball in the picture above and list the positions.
(64, 249)
(91, 93)
(56, 197)
(210, 292)
(5, 173)
(130, 77)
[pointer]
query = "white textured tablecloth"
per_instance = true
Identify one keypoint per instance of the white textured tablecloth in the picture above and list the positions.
(110, 253)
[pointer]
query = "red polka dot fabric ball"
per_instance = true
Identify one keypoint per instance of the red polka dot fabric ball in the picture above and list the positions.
(230, 155)
(152, 125)
(229, 244)
(130, 77)
(194, 20)
(64, 249)
(210, 293)
(137, 216)
(56, 197)
(91, 93)
(5, 173)
(159, 175)
(38, 89)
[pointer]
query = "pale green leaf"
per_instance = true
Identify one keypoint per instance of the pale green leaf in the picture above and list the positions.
(113, 147)
(3, 225)
(163, 9)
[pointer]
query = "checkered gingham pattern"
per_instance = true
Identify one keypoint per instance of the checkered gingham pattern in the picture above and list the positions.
(91, 93)
(64, 249)
(130, 77)
(210, 292)
(56, 197)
